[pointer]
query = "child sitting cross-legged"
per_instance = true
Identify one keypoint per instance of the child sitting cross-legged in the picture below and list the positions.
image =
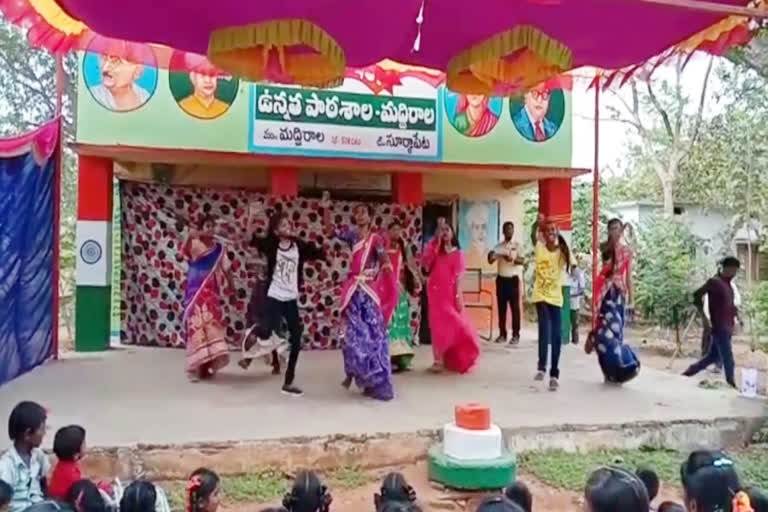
(203, 491)
(5, 496)
(394, 489)
(69, 447)
(308, 494)
(24, 466)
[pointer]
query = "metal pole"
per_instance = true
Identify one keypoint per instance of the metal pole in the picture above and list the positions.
(596, 197)
(60, 78)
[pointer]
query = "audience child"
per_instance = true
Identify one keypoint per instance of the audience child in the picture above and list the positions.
(710, 483)
(203, 491)
(498, 503)
(308, 494)
(273, 509)
(5, 496)
(520, 494)
(24, 466)
(140, 496)
(651, 482)
(612, 489)
(394, 489)
(758, 499)
(69, 447)
(85, 496)
(670, 506)
(399, 506)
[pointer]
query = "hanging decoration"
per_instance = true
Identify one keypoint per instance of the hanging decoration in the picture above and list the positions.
(507, 63)
(283, 51)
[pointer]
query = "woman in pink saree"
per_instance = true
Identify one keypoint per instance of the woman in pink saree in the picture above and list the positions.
(206, 346)
(474, 118)
(455, 345)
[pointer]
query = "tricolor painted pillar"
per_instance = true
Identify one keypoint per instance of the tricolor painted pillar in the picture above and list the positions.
(407, 188)
(94, 254)
(555, 204)
(284, 181)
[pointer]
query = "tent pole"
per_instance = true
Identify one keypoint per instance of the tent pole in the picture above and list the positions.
(595, 197)
(60, 77)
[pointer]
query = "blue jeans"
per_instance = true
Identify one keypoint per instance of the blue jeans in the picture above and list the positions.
(549, 334)
(720, 349)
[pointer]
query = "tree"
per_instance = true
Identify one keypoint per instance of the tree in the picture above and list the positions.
(27, 100)
(665, 270)
(666, 124)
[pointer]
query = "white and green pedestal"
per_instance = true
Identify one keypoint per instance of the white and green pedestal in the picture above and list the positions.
(472, 459)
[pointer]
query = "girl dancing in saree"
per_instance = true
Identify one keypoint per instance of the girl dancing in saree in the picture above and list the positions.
(612, 292)
(206, 347)
(455, 345)
(400, 332)
(367, 302)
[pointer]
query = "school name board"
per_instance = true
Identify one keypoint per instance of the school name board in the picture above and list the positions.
(335, 123)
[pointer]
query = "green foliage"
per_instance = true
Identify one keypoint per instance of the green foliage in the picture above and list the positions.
(665, 270)
(754, 308)
(570, 471)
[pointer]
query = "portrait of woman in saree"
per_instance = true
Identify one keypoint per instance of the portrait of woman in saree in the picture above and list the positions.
(473, 115)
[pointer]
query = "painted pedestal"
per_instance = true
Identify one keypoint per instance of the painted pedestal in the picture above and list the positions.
(473, 454)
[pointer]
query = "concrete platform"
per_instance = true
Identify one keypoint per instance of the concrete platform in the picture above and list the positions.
(140, 398)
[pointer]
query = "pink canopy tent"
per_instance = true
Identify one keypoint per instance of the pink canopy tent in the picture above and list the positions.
(487, 46)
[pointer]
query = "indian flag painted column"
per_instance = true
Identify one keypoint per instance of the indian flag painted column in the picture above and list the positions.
(94, 254)
(555, 203)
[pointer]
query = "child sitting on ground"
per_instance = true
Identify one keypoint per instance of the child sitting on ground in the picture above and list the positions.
(203, 491)
(5, 496)
(498, 503)
(612, 489)
(651, 482)
(758, 499)
(308, 494)
(394, 489)
(24, 466)
(143, 496)
(670, 506)
(69, 447)
(85, 496)
(520, 494)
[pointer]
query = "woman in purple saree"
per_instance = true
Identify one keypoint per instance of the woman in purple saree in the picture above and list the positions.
(367, 302)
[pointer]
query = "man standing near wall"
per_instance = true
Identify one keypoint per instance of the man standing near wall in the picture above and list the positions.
(508, 255)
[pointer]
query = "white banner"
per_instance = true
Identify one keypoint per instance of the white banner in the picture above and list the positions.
(329, 138)
(94, 253)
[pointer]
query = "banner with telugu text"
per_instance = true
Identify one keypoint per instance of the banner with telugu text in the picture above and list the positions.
(336, 123)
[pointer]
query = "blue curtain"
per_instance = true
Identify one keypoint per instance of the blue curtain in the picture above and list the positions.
(26, 264)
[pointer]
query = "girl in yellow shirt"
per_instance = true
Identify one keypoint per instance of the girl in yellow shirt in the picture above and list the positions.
(551, 258)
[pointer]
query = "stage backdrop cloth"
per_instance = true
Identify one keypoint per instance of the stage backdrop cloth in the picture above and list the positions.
(154, 227)
(27, 166)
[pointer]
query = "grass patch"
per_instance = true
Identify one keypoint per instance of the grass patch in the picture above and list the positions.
(247, 488)
(570, 471)
(347, 477)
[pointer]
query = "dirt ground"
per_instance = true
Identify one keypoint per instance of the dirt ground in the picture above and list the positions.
(432, 497)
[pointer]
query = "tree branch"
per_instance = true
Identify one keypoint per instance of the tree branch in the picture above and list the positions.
(660, 110)
(700, 111)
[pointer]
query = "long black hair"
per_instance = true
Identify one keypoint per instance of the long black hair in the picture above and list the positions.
(611, 489)
(394, 489)
(608, 251)
(84, 496)
(201, 485)
(709, 478)
(410, 279)
(308, 494)
(565, 250)
(140, 496)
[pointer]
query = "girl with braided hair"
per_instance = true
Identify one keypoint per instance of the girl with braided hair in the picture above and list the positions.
(203, 491)
(308, 494)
